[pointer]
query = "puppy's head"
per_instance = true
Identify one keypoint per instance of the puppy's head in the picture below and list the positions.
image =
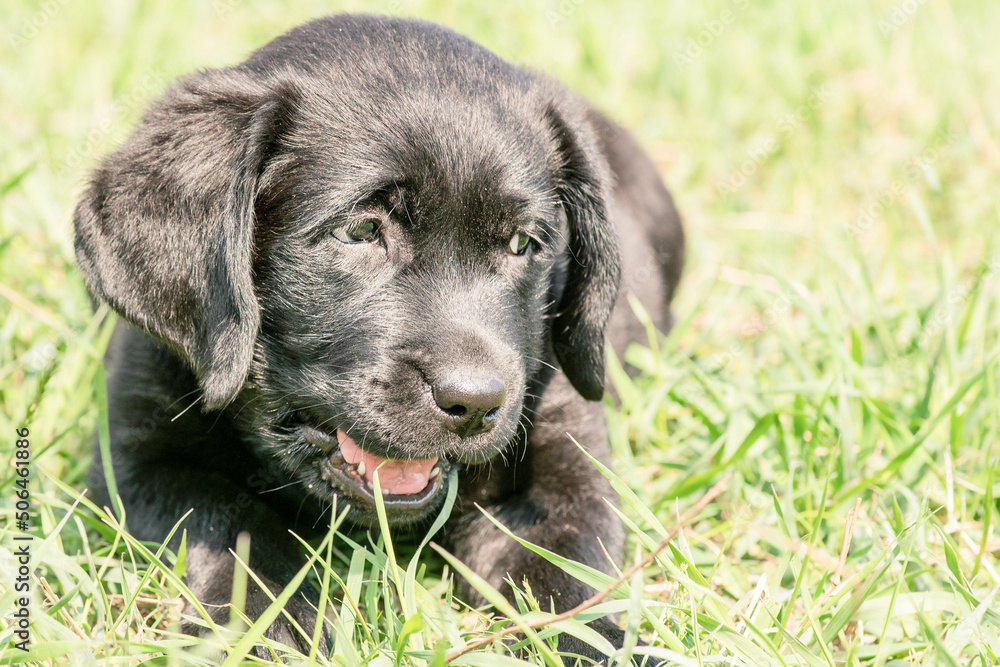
(372, 238)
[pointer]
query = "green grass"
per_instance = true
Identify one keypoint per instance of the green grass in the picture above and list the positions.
(821, 431)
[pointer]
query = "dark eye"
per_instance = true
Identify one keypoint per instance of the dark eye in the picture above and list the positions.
(518, 244)
(365, 232)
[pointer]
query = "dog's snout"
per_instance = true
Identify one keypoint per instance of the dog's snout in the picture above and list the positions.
(470, 400)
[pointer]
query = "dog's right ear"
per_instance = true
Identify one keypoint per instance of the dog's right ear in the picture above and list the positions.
(165, 230)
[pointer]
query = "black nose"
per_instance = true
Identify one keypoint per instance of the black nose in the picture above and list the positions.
(470, 400)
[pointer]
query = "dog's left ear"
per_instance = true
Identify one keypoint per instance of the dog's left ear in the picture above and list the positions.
(593, 271)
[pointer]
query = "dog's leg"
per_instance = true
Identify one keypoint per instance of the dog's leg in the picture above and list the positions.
(156, 496)
(553, 496)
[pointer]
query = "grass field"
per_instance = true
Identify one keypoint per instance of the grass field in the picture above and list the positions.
(820, 434)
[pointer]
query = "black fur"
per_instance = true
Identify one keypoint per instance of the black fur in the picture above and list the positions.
(211, 233)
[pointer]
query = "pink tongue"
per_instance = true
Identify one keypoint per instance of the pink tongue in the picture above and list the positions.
(395, 475)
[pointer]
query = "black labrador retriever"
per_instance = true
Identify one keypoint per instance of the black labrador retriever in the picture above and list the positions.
(373, 246)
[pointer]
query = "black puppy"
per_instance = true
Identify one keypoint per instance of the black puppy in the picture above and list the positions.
(374, 243)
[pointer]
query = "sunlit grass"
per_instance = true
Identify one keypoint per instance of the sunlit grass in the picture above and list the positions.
(818, 434)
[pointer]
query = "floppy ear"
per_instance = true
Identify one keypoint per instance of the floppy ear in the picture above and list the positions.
(593, 271)
(165, 231)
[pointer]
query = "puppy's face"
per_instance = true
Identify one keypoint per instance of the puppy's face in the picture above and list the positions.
(369, 242)
(403, 309)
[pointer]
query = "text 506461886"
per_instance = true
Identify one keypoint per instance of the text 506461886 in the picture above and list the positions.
(22, 540)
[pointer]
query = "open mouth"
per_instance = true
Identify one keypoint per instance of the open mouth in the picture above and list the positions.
(405, 482)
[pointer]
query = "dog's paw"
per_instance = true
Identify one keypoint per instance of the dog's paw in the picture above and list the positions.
(300, 608)
(571, 647)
